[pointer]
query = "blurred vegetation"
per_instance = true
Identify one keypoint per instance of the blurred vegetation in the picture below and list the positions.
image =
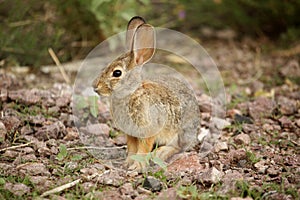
(73, 27)
(269, 18)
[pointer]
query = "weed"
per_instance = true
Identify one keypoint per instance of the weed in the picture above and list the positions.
(150, 157)
(245, 190)
(251, 157)
(188, 192)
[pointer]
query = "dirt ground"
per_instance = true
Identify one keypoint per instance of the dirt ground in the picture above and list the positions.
(256, 156)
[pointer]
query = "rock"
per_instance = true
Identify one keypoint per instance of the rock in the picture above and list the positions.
(8, 81)
(170, 193)
(286, 105)
(52, 131)
(152, 184)
(11, 123)
(87, 186)
(261, 107)
(111, 194)
(37, 180)
(220, 146)
(248, 128)
(28, 158)
(71, 135)
(27, 97)
(98, 129)
(236, 155)
(54, 110)
(28, 150)
(205, 103)
(240, 119)
(272, 172)
(10, 154)
(26, 130)
(261, 166)
(242, 139)
(37, 120)
(120, 140)
(113, 178)
(186, 163)
(268, 127)
(18, 189)
(205, 149)
(34, 169)
(142, 190)
(63, 101)
(219, 123)
(285, 122)
(203, 133)
(229, 180)
(291, 69)
(3, 95)
(88, 171)
(128, 190)
(3, 131)
(298, 122)
(240, 198)
(210, 176)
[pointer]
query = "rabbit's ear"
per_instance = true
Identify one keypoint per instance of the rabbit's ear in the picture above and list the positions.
(144, 44)
(133, 24)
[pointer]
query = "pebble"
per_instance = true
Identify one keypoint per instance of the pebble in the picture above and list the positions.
(3, 131)
(152, 184)
(261, 167)
(229, 180)
(242, 139)
(219, 123)
(18, 189)
(211, 176)
(98, 129)
(34, 169)
(221, 146)
(286, 105)
(285, 122)
(261, 107)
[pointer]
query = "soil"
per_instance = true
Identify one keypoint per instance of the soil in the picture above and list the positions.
(256, 156)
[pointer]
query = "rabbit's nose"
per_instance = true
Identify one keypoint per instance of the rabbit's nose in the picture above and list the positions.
(96, 89)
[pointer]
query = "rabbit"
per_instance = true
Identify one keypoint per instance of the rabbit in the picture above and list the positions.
(158, 110)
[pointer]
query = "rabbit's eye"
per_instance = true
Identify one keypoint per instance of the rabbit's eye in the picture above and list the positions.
(117, 73)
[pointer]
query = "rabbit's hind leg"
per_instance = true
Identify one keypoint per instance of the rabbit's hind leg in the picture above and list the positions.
(165, 152)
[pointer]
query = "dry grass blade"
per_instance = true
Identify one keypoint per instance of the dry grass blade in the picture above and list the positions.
(71, 184)
(58, 64)
(15, 147)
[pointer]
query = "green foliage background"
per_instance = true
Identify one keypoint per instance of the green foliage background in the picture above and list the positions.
(73, 27)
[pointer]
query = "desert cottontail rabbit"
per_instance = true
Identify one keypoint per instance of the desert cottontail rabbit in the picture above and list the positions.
(160, 110)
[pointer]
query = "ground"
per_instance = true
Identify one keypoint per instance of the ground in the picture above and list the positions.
(256, 156)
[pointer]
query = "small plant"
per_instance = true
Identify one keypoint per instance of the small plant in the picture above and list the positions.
(64, 154)
(88, 104)
(188, 192)
(150, 157)
(252, 157)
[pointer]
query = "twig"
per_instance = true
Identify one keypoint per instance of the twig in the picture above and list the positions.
(61, 188)
(58, 64)
(98, 148)
(71, 184)
(15, 147)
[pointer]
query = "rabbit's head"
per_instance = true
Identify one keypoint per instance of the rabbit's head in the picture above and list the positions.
(140, 40)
